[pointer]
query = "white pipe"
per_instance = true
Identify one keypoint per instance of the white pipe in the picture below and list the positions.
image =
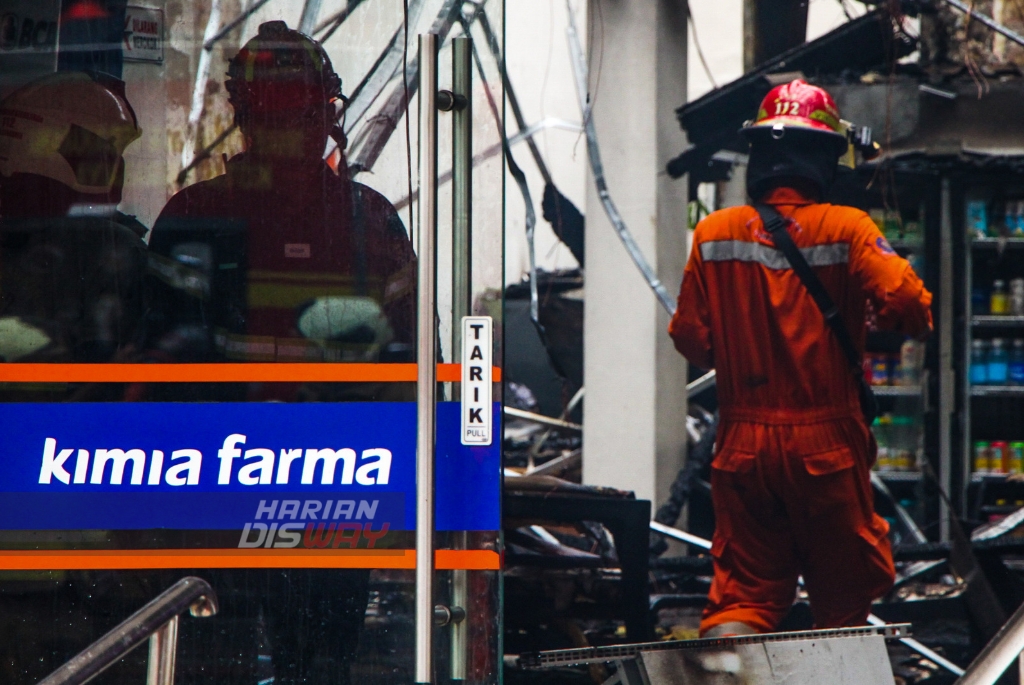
(1001, 651)
(701, 384)
(541, 419)
(681, 535)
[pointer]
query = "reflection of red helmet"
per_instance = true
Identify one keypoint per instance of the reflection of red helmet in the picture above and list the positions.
(71, 127)
(281, 70)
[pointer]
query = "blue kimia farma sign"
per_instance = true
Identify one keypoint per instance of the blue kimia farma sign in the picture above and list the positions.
(221, 466)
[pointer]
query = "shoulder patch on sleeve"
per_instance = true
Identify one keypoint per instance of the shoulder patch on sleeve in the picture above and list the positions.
(883, 246)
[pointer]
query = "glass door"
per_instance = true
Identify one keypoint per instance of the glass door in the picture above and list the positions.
(209, 224)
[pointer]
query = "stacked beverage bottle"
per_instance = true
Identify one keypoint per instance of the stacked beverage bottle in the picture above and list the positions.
(998, 457)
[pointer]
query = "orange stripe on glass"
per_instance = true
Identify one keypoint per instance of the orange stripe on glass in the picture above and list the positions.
(224, 373)
(466, 560)
(94, 560)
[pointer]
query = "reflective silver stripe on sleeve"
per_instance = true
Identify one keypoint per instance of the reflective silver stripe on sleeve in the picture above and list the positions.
(743, 251)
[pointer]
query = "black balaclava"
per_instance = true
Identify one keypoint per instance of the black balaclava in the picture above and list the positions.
(809, 155)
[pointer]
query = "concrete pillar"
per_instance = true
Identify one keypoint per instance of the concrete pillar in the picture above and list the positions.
(634, 432)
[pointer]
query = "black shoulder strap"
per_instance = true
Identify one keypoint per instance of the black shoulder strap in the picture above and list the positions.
(775, 224)
(359, 239)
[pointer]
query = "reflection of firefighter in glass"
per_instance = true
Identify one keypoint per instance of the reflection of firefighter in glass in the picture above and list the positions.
(73, 267)
(283, 258)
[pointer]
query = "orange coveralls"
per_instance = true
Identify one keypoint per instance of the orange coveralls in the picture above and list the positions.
(790, 482)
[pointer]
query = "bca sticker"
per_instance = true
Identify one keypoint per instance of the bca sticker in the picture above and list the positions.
(883, 246)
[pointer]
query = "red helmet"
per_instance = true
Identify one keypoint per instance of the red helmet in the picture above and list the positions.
(279, 70)
(798, 105)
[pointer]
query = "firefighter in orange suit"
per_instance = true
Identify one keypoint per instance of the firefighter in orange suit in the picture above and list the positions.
(790, 481)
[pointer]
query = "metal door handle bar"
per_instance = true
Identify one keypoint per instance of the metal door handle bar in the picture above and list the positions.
(462, 300)
(426, 344)
(157, 619)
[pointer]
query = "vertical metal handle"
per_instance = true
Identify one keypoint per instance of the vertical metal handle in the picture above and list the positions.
(462, 273)
(163, 649)
(462, 186)
(426, 344)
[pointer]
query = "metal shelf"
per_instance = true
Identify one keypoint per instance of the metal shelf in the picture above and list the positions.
(997, 391)
(897, 390)
(997, 321)
(995, 242)
(899, 476)
(979, 477)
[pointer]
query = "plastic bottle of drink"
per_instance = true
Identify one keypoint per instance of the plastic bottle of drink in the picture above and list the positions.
(979, 362)
(1016, 297)
(999, 303)
(911, 360)
(880, 428)
(977, 218)
(982, 458)
(902, 441)
(998, 363)
(1017, 457)
(998, 456)
(1016, 372)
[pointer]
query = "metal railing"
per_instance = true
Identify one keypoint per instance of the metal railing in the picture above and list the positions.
(156, 622)
(910, 642)
(1001, 651)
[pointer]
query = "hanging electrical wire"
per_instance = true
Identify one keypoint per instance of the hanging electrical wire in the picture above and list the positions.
(696, 44)
(517, 173)
(579, 65)
(408, 124)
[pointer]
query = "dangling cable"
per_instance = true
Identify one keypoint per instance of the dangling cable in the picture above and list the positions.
(517, 175)
(579, 65)
(408, 132)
